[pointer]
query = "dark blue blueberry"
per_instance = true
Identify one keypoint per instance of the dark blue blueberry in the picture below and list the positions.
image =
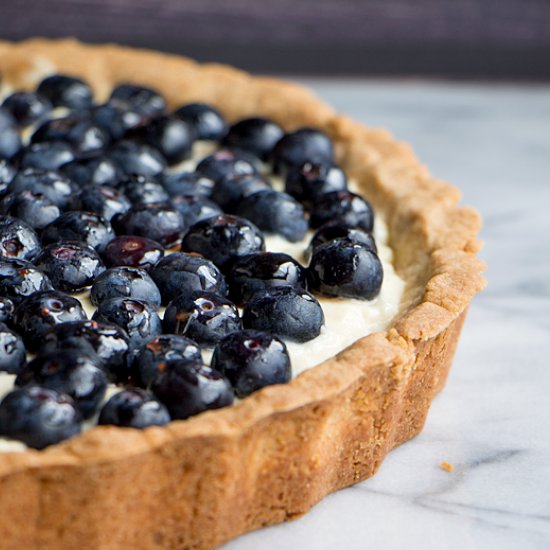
(133, 251)
(48, 155)
(41, 311)
(285, 312)
(133, 408)
(19, 279)
(70, 372)
(13, 355)
(33, 208)
(195, 208)
(89, 172)
(143, 190)
(230, 191)
(342, 206)
(338, 230)
(146, 101)
(161, 350)
(136, 158)
(158, 221)
(227, 162)
(116, 119)
(252, 360)
(207, 121)
(202, 316)
(223, 239)
(257, 272)
(188, 183)
(27, 107)
(7, 173)
(188, 388)
(7, 308)
(103, 200)
(38, 417)
(305, 144)
(345, 268)
(71, 266)
(66, 91)
(139, 319)
(10, 140)
(125, 282)
(275, 212)
(181, 273)
(77, 225)
(256, 135)
(18, 239)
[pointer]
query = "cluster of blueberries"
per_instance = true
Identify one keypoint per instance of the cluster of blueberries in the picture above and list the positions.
(89, 202)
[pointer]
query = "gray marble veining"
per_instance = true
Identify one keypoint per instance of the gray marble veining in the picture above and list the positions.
(492, 420)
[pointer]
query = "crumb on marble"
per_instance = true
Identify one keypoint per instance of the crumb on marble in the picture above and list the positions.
(447, 466)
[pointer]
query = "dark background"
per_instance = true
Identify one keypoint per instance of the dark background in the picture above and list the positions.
(460, 38)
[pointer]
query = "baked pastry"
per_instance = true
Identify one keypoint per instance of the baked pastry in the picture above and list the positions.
(199, 482)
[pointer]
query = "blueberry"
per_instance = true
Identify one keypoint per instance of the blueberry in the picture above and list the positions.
(10, 140)
(188, 388)
(285, 312)
(33, 208)
(143, 100)
(38, 417)
(133, 408)
(275, 212)
(188, 183)
(256, 135)
(133, 251)
(27, 107)
(125, 282)
(70, 372)
(331, 231)
(258, 272)
(230, 191)
(158, 221)
(181, 273)
(202, 316)
(103, 200)
(345, 268)
(18, 239)
(252, 360)
(66, 91)
(309, 181)
(139, 319)
(195, 208)
(41, 311)
(7, 308)
(87, 172)
(20, 279)
(345, 207)
(143, 190)
(47, 155)
(227, 162)
(162, 350)
(116, 119)
(222, 239)
(207, 121)
(137, 158)
(305, 144)
(77, 225)
(7, 173)
(13, 355)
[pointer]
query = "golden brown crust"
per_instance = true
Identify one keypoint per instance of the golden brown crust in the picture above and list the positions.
(200, 482)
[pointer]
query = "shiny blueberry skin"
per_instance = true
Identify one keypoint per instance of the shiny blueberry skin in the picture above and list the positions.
(311, 180)
(231, 190)
(7, 173)
(195, 208)
(103, 200)
(256, 135)
(19, 279)
(33, 208)
(18, 239)
(125, 282)
(227, 162)
(13, 354)
(188, 388)
(343, 206)
(71, 372)
(7, 309)
(27, 107)
(207, 121)
(53, 185)
(275, 212)
(143, 190)
(139, 319)
(66, 91)
(223, 239)
(252, 360)
(107, 341)
(116, 119)
(77, 225)
(258, 272)
(71, 266)
(338, 230)
(41, 311)
(146, 101)
(202, 316)
(158, 221)
(136, 158)
(161, 350)
(88, 172)
(133, 251)
(305, 144)
(38, 417)
(188, 183)
(133, 408)
(286, 312)
(345, 268)
(49, 155)
(181, 273)
(10, 140)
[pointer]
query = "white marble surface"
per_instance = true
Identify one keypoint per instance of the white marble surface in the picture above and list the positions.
(492, 421)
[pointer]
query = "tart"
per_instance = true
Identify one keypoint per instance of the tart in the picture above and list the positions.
(199, 482)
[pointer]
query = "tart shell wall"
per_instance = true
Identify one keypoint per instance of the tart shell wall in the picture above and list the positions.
(200, 482)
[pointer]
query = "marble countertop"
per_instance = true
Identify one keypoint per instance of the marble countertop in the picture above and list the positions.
(492, 420)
